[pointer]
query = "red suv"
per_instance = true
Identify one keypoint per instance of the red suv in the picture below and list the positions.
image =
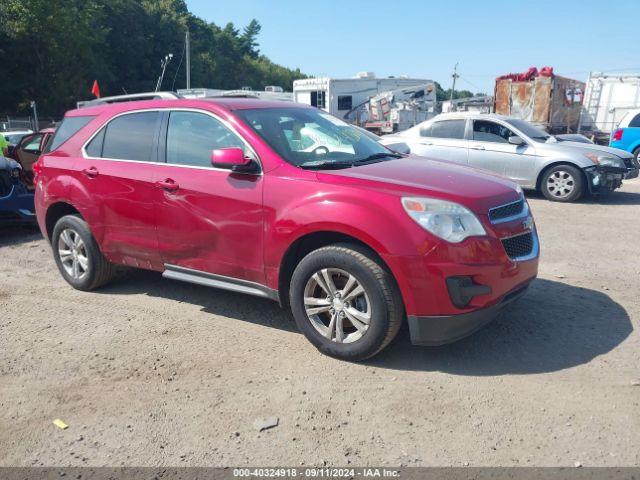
(284, 201)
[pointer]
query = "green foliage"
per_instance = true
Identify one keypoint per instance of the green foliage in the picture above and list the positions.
(52, 50)
(442, 95)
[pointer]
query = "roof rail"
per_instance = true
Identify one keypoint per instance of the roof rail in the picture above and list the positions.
(132, 97)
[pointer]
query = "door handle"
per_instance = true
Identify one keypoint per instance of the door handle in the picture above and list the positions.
(426, 143)
(91, 172)
(478, 147)
(168, 184)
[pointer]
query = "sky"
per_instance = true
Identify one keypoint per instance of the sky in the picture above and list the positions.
(425, 39)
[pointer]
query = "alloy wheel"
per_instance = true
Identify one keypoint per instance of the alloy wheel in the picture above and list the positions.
(561, 184)
(337, 305)
(73, 254)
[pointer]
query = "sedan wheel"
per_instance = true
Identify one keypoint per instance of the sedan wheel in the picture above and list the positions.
(337, 305)
(561, 184)
(73, 254)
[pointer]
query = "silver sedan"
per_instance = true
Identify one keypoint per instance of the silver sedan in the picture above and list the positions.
(520, 151)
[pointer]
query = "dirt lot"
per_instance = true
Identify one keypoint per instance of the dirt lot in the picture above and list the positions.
(149, 371)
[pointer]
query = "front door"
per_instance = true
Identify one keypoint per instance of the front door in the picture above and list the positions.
(118, 170)
(28, 151)
(209, 219)
(489, 149)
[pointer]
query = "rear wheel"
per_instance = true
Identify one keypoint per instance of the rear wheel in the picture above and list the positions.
(78, 256)
(563, 183)
(636, 155)
(345, 302)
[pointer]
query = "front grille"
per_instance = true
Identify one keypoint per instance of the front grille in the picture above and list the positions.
(518, 246)
(5, 183)
(505, 211)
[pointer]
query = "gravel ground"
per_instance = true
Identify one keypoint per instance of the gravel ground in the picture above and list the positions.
(151, 372)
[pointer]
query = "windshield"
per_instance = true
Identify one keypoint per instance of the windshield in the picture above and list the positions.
(529, 130)
(310, 138)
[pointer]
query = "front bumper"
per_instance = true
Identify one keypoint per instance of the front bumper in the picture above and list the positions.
(17, 207)
(608, 179)
(443, 329)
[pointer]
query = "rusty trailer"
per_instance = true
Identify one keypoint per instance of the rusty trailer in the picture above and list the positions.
(550, 101)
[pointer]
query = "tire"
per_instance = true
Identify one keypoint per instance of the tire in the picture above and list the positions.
(636, 155)
(563, 183)
(84, 268)
(380, 303)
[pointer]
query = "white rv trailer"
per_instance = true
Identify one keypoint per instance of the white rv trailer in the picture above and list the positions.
(607, 99)
(339, 96)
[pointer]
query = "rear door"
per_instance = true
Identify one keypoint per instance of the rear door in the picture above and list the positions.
(489, 149)
(118, 170)
(443, 140)
(28, 151)
(209, 219)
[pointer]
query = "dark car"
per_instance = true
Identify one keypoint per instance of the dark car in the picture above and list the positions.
(16, 201)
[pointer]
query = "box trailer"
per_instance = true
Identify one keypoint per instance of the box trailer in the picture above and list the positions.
(608, 98)
(542, 98)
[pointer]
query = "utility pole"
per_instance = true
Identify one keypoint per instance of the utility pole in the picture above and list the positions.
(35, 116)
(455, 77)
(163, 63)
(187, 45)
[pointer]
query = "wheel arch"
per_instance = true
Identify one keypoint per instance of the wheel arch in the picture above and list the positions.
(311, 241)
(55, 212)
(555, 164)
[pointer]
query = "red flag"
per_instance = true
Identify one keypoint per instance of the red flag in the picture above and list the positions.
(95, 89)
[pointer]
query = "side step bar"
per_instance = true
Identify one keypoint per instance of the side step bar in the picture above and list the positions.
(219, 281)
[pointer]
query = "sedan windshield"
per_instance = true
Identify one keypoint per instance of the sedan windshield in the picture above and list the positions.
(310, 138)
(529, 130)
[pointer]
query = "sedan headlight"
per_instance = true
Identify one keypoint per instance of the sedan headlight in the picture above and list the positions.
(447, 220)
(606, 160)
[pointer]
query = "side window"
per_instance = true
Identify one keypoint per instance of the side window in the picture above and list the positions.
(69, 127)
(484, 131)
(345, 102)
(635, 121)
(94, 148)
(317, 99)
(130, 136)
(192, 137)
(32, 144)
(448, 129)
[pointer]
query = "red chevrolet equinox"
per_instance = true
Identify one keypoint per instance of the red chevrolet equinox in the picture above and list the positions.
(284, 201)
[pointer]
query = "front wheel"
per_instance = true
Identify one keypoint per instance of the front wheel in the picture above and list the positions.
(345, 302)
(563, 183)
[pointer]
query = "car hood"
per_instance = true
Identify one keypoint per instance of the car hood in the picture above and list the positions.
(583, 148)
(419, 176)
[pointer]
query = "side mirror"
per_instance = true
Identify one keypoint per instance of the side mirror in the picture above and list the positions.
(516, 140)
(233, 159)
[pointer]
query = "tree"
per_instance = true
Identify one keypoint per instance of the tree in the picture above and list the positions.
(53, 50)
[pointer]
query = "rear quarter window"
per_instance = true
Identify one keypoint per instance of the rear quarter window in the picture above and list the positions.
(68, 128)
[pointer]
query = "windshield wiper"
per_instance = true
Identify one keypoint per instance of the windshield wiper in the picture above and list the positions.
(325, 164)
(328, 164)
(377, 156)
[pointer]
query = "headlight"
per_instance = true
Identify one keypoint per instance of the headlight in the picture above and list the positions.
(606, 160)
(450, 221)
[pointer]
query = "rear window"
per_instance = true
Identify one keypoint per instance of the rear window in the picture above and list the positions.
(128, 137)
(68, 128)
(635, 121)
(448, 129)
